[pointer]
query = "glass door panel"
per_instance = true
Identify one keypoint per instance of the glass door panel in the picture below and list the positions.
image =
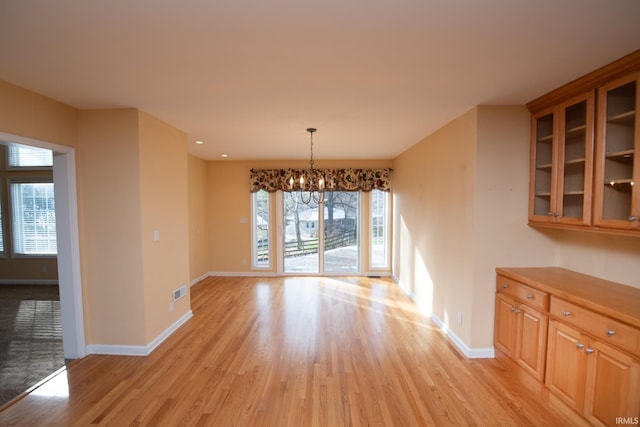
(341, 213)
(619, 153)
(543, 205)
(301, 225)
(576, 160)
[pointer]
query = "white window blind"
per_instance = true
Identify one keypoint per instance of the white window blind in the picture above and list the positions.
(34, 218)
(25, 156)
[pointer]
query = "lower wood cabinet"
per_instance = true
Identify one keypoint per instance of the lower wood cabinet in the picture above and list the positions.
(521, 334)
(578, 334)
(593, 378)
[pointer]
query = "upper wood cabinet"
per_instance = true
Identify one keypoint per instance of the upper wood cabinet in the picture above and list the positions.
(585, 152)
(562, 163)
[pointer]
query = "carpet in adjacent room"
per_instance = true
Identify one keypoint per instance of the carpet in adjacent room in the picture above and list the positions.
(30, 337)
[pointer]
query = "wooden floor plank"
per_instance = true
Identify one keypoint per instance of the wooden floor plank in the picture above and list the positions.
(297, 351)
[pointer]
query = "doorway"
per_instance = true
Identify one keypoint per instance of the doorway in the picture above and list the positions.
(68, 247)
(321, 237)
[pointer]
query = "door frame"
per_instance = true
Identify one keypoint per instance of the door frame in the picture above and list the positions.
(280, 241)
(68, 240)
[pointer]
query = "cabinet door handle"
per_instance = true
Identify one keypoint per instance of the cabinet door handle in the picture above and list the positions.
(550, 214)
(580, 346)
(517, 311)
(529, 296)
(632, 218)
(513, 309)
(505, 286)
(611, 332)
(589, 350)
(566, 313)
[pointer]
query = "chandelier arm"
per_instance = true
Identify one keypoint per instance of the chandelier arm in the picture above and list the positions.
(316, 194)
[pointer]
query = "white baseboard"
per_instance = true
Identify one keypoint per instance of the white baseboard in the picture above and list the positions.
(471, 353)
(199, 279)
(243, 274)
(138, 350)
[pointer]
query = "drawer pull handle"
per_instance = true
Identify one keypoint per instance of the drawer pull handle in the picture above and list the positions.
(529, 296)
(566, 313)
(513, 309)
(517, 311)
(611, 332)
(580, 346)
(589, 351)
(632, 218)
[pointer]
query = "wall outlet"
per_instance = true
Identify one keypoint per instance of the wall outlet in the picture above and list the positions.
(459, 318)
(171, 306)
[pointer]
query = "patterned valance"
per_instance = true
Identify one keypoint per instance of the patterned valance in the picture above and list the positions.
(335, 179)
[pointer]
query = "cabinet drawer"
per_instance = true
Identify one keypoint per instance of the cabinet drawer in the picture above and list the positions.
(607, 330)
(526, 294)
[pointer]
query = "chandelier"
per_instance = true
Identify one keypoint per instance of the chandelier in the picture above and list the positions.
(313, 190)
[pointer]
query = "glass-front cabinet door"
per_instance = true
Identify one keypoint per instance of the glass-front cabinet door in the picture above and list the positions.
(542, 204)
(562, 163)
(617, 172)
(575, 161)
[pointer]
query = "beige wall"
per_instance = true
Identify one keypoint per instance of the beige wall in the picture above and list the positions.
(198, 219)
(31, 115)
(111, 249)
(164, 209)
(434, 187)
(609, 257)
(501, 235)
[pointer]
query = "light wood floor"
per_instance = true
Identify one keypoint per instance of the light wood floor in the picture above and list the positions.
(295, 352)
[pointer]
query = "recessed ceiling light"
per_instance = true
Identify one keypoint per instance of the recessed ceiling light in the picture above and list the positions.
(199, 142)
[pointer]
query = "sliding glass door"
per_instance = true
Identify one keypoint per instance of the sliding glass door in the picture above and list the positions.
(341, 213)
(327, 243)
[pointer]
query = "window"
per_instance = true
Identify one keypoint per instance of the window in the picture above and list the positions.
(260, 235)
(27, 202)
(34, 218)
(25, 156)
(379, 229)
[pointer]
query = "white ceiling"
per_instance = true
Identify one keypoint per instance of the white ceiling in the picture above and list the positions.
(249, 76)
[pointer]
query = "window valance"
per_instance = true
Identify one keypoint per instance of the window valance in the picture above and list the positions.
(349, 179)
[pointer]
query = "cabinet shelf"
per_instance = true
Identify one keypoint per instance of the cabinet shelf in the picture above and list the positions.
(575, 161)
(546, 138)
(546, 194)
(626, 117)
(544, 166)
(620, 155)
(576, 131)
